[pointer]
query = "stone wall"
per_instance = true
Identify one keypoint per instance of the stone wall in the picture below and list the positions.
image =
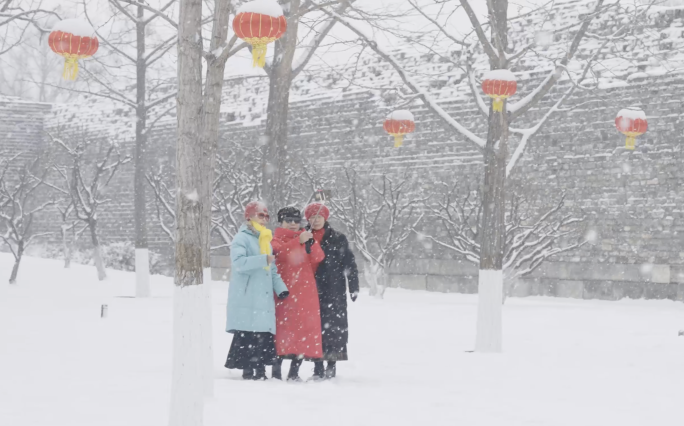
(632, 199)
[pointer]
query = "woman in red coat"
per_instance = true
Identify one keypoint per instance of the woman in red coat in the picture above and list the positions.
(298, 318)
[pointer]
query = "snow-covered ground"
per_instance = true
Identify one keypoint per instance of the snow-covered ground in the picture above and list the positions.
(566, 362)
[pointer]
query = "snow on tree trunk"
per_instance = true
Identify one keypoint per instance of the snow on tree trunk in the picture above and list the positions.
(142, 265)
(99, 263)
(97, 251)
(207, 336)
(376, 278)
(66, 246)
(187, 393)
(142, 272)
(187, 403)
(275, 150)
(489, 310)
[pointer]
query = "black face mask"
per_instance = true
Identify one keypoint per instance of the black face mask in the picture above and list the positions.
(296, 220)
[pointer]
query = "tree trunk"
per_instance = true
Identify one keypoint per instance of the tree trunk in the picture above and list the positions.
(490, 282)
(274, 162)
(209, 142)
(142, 256)
(186, 383)
(66, 246)
(490, 286)
(97, 250)
(370, 273)
(17, 261)
(376, 278)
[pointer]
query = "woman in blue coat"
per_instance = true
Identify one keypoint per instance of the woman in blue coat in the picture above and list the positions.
(254, 280)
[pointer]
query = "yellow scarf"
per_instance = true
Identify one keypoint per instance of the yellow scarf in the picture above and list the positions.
(265, 237)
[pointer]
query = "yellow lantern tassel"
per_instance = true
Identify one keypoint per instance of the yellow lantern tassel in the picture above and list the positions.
(398, 140)
(70, 68)
(497, 105)
(259, 55)
(630, 142)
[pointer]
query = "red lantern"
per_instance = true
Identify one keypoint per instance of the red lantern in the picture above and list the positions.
(259, 23)
(631, 122)
(73, 39)
(499, 85)
(398, 124)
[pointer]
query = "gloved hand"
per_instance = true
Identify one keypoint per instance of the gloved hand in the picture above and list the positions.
(354, 296)
(283, 295)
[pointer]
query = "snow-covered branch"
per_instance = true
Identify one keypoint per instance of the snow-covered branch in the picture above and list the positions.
(19, 203)
(482, 37)
(164, 200)
(86, 174)
(530, 238)
(411, 84)
(517, 109)
(380, 214)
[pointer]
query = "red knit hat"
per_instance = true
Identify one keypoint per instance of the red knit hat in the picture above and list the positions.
(253, 208)
(316, 209)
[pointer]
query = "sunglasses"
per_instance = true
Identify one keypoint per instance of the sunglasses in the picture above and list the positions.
(263, 216)
(292, 220)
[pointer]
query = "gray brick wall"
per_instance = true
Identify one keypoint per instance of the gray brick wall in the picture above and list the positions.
(633, 200)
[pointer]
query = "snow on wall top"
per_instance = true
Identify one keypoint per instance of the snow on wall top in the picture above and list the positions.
(503, 75)
(653, 48)
(632, 113)
(401, 114)
(76, 27)
(264, 7)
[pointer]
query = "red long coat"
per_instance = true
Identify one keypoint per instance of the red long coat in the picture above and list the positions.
(298, 317)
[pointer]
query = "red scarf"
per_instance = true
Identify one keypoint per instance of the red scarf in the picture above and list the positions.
(318, 237)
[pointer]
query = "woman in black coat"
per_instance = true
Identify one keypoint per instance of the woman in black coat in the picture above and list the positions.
(337, 271)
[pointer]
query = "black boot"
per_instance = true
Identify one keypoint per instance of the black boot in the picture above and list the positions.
(276, 371)
(293, 374)
(319, 371)
(247, 374)
(331, 371)
(260, 373)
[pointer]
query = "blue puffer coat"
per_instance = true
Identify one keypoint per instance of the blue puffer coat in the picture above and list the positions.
(251, 303)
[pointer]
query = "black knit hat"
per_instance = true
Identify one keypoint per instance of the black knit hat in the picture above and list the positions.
(289, 212)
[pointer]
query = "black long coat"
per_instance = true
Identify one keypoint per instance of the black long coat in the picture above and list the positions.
(337, 271)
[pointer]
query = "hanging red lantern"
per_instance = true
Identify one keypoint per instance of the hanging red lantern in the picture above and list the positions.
(73, 39)
(259, 23)
(398, 124)
(631, 122)
(499, 85)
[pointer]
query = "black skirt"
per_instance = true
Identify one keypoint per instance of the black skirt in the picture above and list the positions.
(251, 350)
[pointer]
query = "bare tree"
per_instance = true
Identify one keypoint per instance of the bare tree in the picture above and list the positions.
(491, 38)
(530, 239)
(187, 385)
(69, 229)
(164, 200)
(85, 180)
(145, 49)
(234, 186)
(291, 55)
(19, 204)
(18, 17)
(237, 181)
(380, 213)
